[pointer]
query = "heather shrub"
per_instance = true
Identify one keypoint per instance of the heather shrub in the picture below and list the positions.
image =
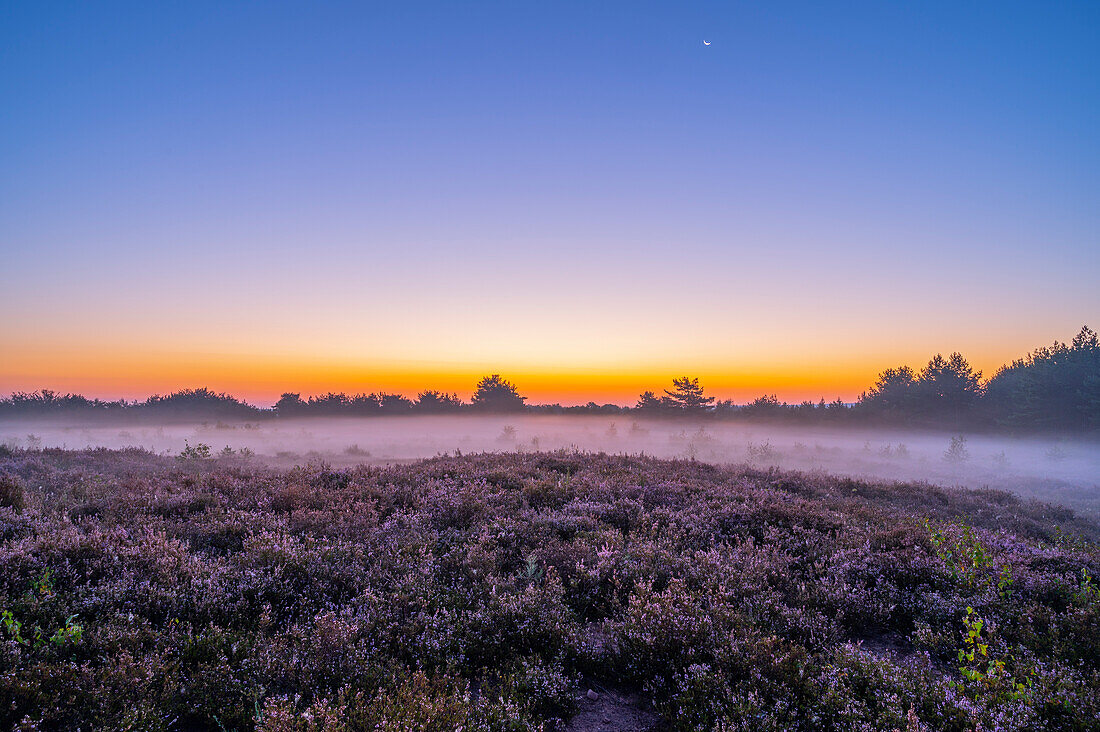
(864, 690)
(666, 630)
(11, 492)
(441, 704)
(487, 592)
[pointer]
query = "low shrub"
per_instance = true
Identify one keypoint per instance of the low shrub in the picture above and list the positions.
(11, 492)
(478, 592)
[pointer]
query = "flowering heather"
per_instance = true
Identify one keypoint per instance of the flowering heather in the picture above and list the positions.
(489, 592)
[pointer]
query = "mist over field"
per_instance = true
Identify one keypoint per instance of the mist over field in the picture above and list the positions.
(1058, 469)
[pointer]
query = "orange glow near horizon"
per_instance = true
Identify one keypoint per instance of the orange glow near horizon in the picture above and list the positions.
(261, 379)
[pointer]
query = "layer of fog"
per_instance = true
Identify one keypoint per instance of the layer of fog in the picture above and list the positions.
(1056, 469)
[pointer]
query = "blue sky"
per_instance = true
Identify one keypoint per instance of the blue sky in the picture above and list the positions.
(571, 186)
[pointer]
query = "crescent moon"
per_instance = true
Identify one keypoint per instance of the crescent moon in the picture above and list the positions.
(706, 43)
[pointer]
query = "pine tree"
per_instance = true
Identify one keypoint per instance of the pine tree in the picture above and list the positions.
(948, 388)
(496, 394)
(649, 402)
(687, 396)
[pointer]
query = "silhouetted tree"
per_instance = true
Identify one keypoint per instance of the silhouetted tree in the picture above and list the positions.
(364, 405)
(1057, 386)
(495, 394)
(434, 402)
(200, 402)
(394, 404)
(47, 401)
(767, 406)
(893, 393)
(290, 405)
(836, 409)
(726, 408)
(649, 402)
(687, 397)
(948, 388)
(328, 404)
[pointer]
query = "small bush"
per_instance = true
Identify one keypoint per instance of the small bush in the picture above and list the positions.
(957, 451)
(11, 491)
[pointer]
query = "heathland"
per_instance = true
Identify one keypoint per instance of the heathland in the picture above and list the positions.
(496, 591)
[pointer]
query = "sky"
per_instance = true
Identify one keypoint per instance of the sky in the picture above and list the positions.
(582, 196)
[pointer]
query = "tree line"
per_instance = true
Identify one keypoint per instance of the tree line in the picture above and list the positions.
(1053, 387)
(493, 394)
